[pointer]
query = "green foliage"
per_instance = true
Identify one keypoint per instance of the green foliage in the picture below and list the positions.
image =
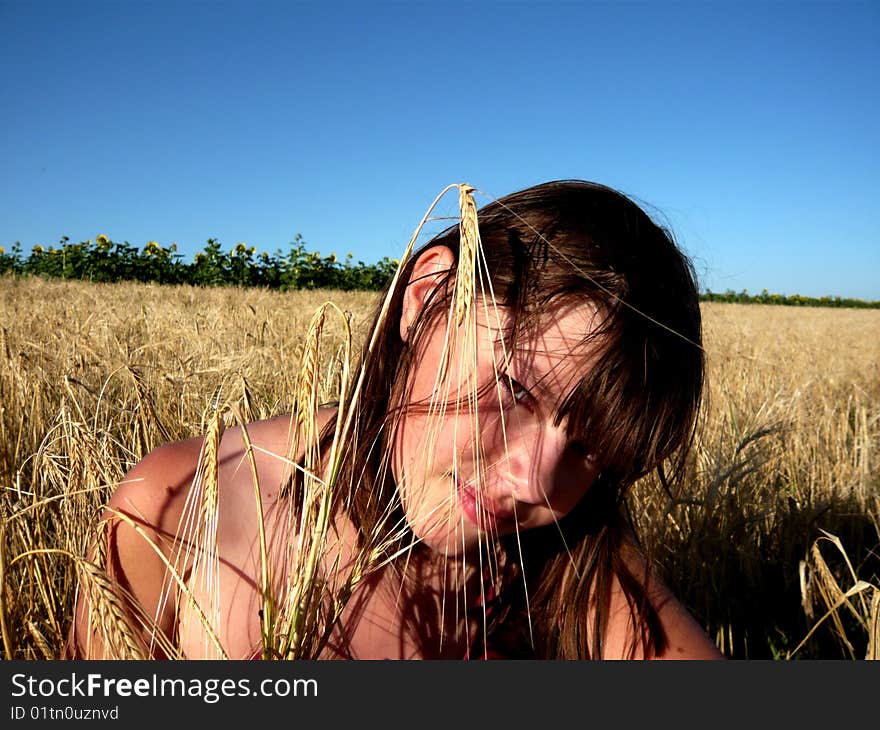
(795, 300)
(103, 260)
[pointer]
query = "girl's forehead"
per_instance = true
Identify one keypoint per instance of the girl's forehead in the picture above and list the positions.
(558, 331)
(556, 346)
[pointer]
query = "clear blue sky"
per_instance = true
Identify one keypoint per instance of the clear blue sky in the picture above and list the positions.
(751, 128)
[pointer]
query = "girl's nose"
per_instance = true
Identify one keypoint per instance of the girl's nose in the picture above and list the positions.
(535, 461)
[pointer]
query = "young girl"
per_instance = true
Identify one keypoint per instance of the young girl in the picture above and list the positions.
(464, 499)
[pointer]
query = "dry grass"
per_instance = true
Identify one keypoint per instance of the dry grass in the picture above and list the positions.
(92, 377)
(788, 447)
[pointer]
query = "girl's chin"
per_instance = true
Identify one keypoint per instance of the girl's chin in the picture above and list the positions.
(468, 547)
(464, 529)
(445, 542)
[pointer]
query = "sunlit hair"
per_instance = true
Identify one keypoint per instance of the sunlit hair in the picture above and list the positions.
(635, 410)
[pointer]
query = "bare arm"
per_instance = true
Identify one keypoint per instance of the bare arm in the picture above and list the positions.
(126, 605)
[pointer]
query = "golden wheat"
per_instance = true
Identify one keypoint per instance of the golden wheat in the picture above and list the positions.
(92, 377)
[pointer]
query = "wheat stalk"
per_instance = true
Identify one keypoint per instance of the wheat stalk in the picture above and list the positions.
(834, 597)
(71, 424)
(469, 245)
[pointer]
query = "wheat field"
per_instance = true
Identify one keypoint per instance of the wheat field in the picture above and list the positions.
(772, 539)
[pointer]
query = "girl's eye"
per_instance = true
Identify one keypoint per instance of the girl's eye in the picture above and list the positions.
(518, 391)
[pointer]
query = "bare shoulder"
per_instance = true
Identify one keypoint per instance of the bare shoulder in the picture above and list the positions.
(685, 638)
(143, 518)
(155, 490)
(152, 492)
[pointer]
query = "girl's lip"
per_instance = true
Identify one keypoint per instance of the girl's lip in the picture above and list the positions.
(486, 516)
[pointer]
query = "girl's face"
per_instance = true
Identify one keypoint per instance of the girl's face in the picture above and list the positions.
(477, 453)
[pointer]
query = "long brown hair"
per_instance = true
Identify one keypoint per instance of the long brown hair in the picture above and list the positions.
(560, 242)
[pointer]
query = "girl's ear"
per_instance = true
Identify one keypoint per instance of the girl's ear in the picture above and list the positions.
(429, 270)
